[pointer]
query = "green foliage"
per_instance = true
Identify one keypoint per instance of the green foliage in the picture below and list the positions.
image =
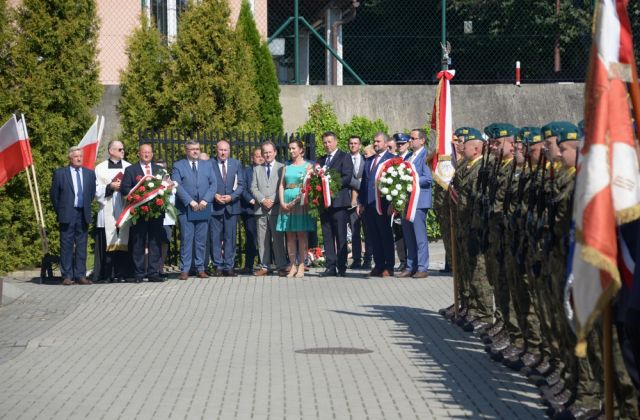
(364, 128)
(141, 82)
(265, 82)
(55, 85)
(322, 118)
(6, 62)
(433, 227)
(209, 82)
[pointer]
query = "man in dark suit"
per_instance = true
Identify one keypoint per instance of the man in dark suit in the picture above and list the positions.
(378, 226)
(415, 233)
(72, 191)
(226, 208)
(249, 219)
(334, 219)
(145, 233)
(196, 187)
(355, 222)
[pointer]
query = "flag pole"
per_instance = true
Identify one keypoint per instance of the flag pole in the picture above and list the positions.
(43, 231)
(608, 361)
(454, 265)
(35, 208)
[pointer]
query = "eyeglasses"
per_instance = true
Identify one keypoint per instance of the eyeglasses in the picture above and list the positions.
(120, 150)
(415, 138)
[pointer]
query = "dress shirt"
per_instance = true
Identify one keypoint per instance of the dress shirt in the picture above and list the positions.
(144, 169)
(74, 178)
(416, 153)
(356, 162)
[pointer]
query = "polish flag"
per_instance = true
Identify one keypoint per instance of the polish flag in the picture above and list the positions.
(442, 123)
(607, 180)
(15, 150)
(90, 143)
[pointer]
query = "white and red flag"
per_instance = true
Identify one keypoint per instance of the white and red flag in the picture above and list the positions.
(442, 123)
(15, 150)
(608, 183)
(90, 143)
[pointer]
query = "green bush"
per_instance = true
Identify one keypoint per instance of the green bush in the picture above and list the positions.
(364, 128)
(208, 85)
(322, 118)
(54, 82)
(141, 82)
(265, 82)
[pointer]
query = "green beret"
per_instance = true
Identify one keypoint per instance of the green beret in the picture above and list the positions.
(551, 129)
(581, 128)
(567, 132)
(498, 130)
(469, 133)
(530, 135)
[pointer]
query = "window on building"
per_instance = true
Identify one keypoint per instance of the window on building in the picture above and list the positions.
(161, 12)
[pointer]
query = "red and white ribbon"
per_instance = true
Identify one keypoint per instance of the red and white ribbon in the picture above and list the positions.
(147, 197)
(414, 196)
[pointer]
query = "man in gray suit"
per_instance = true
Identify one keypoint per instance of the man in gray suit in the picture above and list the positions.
(354, 220)
(264, 187)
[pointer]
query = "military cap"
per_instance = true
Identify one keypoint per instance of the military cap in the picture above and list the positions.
(567, 132)
(401, 138)
(530, 135)
(498, 130)
(581, 128)
(469, 133)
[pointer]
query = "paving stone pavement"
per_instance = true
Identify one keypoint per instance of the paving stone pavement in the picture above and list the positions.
(225, 348)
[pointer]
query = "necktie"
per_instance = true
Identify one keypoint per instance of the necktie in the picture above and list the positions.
(328, 161)
(374, 163)
(195, 169)
(79, 194)
(268, 170)
(224, 171)
(147, 169)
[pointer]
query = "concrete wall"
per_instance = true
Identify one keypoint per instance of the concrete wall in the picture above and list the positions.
(406, 107)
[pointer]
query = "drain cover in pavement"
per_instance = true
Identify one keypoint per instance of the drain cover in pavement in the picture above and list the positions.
(334, 351)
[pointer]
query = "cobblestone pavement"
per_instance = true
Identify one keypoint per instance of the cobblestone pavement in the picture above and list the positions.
(226, 348)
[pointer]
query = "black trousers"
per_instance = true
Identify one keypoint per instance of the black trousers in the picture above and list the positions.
(334, 231)
(146, 234)
(109, 265)
(251, 239)
(380, 235)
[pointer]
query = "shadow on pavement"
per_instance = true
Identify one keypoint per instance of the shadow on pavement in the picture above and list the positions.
(453, 365)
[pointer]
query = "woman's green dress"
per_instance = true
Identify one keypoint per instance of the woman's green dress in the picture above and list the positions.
(297, 219)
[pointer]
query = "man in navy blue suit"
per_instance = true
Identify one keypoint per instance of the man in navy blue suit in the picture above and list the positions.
(72, 191)
(145, 233)
(378, 226)
(334, 219)
(415, 233)
(249, 219)
(196, 188)
(226, 208)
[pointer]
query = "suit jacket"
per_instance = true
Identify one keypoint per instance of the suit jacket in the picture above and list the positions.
(63, 196)
(367, 195)
(357, 173)
(342, 163)
(192, 186)
(424, 174)
(245, 200)
(233, 187)
(263, 187)
(131, 174)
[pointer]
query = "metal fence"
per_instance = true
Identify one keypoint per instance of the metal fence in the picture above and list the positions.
(391, 41)
(168, 145)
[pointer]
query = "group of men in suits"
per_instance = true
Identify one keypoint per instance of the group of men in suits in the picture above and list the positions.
(378, 225)
(212, 194)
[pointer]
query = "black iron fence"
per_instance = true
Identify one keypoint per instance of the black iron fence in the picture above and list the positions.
(168, 145)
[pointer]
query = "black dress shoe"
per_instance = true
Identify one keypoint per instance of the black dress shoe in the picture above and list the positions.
(366, 266)
(355, 266)
(164, 275)
(328, 273)
(402, 267)
(342, 274)
(156, 279)
(229, 273)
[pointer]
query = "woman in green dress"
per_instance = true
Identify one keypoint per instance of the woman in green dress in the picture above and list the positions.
(294, 216)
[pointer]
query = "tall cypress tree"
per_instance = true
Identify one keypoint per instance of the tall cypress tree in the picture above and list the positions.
(6, 39)
(56, 84)
(208, 86)
(141, 82)
(266, 81)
